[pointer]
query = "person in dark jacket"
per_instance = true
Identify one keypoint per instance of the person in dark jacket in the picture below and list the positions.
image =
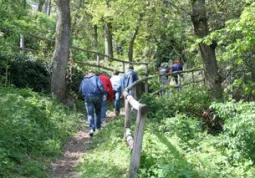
(92, 90)
(129, 77)
(176, 67)
(108, 95)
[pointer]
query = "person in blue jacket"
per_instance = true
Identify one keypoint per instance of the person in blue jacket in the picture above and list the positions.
(129, 77)
(92, 90)
(176, 67)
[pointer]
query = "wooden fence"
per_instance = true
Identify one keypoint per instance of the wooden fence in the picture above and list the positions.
(141, 115)
(95, 64)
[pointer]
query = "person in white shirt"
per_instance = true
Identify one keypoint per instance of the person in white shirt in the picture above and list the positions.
(117, 88)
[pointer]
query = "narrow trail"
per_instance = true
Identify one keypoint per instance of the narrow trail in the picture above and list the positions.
(74, 150)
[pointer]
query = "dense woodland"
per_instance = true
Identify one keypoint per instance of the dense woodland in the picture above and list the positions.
(206, 130)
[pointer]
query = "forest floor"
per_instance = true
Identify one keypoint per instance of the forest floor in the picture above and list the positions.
(74, 150)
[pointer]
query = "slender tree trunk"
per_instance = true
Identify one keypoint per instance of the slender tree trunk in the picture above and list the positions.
(40, 5)
(108, 40)
(25, 4)
(132, 40)
(96, 42)
(49, 9)
(46, 5)
(200, 23)
(61, 53)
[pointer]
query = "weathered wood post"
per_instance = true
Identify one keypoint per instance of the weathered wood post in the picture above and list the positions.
(134, 92)
(138, 139)
(22, 44)
(123, 67)
(179, 82)
(127, 123)
(98, 62)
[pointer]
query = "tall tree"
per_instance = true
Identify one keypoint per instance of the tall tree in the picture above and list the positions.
(132, 40)
(40, 5)
(108, 36)
(108, 40)
(61, 53)
(199, 19)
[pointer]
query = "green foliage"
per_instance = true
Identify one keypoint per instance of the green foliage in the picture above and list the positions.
(25, 71)
(239, 127)
(188, 102)
(175, 145)
(33, 128)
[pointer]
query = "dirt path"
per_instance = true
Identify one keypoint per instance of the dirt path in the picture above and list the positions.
(73, 150)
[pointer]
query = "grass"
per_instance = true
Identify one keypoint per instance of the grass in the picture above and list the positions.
(108, 155)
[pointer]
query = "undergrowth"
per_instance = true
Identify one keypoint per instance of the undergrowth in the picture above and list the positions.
(175, 144)
(33, 128)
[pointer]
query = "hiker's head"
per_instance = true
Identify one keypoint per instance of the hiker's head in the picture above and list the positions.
(131, 68)
(177, 61)
(90, 73)
(116, 72)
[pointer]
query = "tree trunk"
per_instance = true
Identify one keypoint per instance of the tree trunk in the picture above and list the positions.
(25, 4)
(132, 40)
(40, 5)
(108, 40)
(46, 5)
(200, 23)
(49, 9)
(96, 42)
(61, 53)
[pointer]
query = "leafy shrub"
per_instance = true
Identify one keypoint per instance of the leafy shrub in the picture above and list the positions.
(33, 128)
(26, 72)
(239, 126)
(185, 128)
(187, 102)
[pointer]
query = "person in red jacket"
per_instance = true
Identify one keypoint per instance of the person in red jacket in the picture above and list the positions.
(109, 94)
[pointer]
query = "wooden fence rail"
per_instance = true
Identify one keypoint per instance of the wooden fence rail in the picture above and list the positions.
(98, 54)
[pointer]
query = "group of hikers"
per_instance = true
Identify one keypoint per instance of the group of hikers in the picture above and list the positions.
(97, 89)
(165, 70)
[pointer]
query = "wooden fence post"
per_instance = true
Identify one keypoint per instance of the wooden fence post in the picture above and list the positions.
(138, 139)
(123, 67)
(98, 62)
(22, 44)
(127, 123)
